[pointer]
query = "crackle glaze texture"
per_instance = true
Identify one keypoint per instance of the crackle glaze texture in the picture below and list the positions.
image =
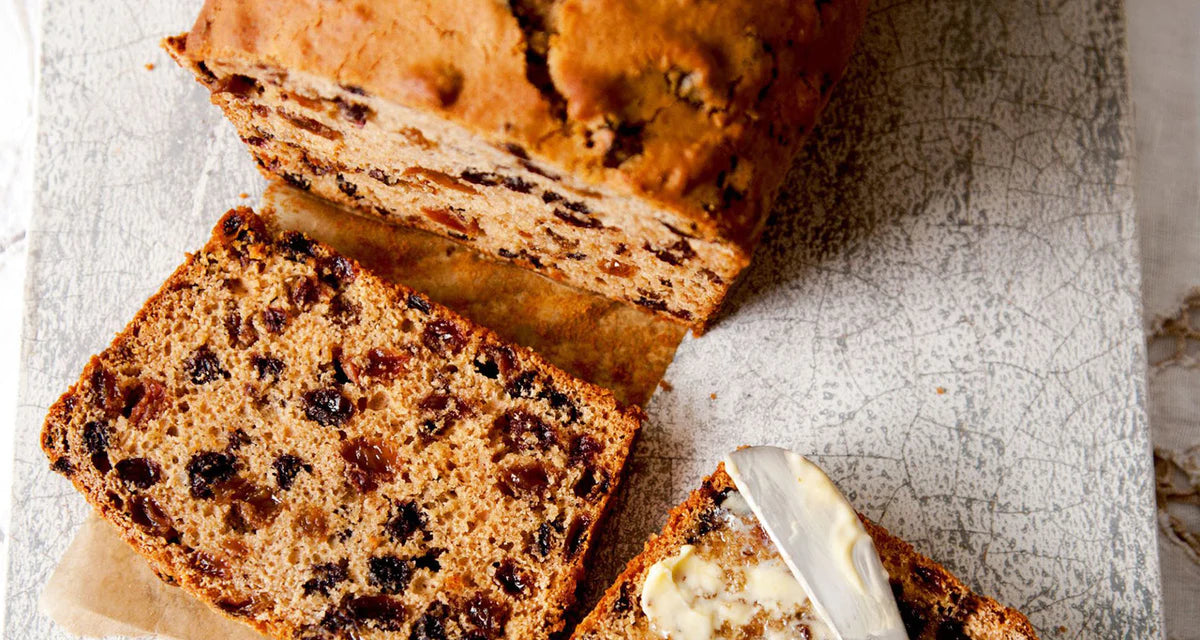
(944, 310)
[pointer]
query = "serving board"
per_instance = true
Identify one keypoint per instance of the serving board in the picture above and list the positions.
(944, 312)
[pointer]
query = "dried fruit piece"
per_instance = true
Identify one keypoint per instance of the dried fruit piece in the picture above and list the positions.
(141, 473)
(146, 402)
(274, 319)
(494, 361)
(429, 561)
(241, 606)
(304, 292)
(250, 505)
(431, 625)
(327, 407)
(407, 521)
(614, 267)
(313, 522)
(385, 362)
(591, 485)
(208, 468)
(95, 440)
(336, 271)
(529, 478)
(525, 431)
(522, 386)
(203, 366)
(95, 436)
(487, 615)
(390, 573)
(297, 244)
(267, 367)
(286, 467)
(146, 513)
(417, 302)
(443, 337)
(583, 448)
(368, 462)
(440, 411)
(353, 111)
(208, 565)
(325, 577)
(385, 612)
(577, 219)
(576, 535)
(105, 393)
(487, 368)
(511, 579)
(675, 254)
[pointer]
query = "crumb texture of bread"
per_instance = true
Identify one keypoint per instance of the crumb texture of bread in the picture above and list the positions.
(321, 454)
(629, 148)
(933, 603)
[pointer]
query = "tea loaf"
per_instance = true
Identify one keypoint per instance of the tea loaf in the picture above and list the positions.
(629, 148)
(714, 552)
(321, 454)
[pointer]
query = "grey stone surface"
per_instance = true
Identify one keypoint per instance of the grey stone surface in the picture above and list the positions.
(945, 310)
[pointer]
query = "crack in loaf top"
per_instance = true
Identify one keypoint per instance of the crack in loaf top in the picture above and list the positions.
(696, 105)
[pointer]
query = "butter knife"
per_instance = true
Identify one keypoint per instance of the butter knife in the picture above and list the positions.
(821, 539)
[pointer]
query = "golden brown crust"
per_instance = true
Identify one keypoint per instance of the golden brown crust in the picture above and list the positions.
(697, 106)
(168, 551)
(933, 603)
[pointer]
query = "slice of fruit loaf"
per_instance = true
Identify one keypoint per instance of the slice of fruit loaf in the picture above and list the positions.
(321, 454)
(714, 558)
(629, 148)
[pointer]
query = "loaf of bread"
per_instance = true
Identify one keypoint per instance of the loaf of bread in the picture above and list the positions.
(321, 454)
(723, 560)
(629, 148)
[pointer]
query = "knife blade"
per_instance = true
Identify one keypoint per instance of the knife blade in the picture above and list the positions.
(821, 539)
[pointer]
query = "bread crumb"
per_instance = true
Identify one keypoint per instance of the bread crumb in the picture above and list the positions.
(1062, 629)
(941, 391)
(712, 396)
(666, 386)
(243, 195)
(149, 66)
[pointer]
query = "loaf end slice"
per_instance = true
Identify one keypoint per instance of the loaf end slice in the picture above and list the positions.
(321, 454)
(628, 148)
(719, 528)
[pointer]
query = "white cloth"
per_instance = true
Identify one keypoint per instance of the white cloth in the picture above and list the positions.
(1164, 43)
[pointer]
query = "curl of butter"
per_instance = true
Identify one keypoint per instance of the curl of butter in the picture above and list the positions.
(685, 597)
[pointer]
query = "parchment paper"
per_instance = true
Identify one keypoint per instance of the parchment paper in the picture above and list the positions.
(102, 588)
(945, 310)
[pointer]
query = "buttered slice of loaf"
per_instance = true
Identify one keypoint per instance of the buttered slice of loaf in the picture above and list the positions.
(714, 574)
(321, 454)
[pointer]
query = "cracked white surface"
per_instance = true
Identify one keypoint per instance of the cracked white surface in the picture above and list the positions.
(947, 312)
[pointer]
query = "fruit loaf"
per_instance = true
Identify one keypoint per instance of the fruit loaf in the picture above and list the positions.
(321, 454)
(629, 148)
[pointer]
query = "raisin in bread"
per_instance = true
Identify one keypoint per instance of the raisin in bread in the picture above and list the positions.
(321, 454)
(728, 563)
(630, 148)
